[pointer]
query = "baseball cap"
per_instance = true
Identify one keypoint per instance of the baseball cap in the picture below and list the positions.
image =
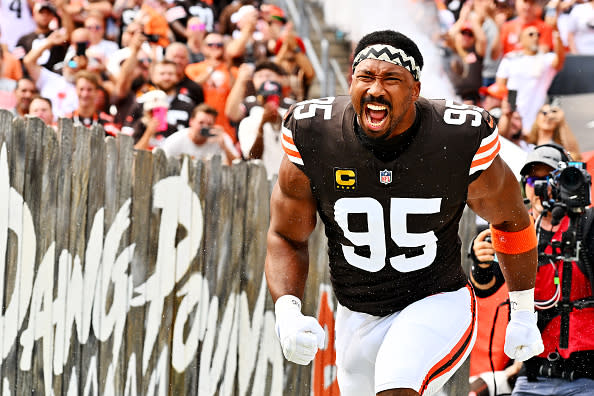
(546, 155)
(270, 88)
(495, 90)
(45, 5)
(153, 99)
(274, 11)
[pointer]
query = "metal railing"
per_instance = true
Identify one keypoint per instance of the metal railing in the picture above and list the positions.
(327, 69)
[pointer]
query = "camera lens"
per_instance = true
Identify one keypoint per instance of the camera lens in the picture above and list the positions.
(571, 179)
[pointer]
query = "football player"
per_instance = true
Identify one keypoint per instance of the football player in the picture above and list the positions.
(389, 173)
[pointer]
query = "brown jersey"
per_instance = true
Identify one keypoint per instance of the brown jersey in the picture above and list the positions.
(391, 223)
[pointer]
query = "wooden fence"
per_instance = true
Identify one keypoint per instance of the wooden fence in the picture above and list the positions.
(125, 272)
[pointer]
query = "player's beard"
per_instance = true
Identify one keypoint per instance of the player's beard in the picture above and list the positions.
(395, 116)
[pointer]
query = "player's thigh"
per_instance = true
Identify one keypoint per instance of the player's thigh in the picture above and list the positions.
(358, 338)
(427, 342)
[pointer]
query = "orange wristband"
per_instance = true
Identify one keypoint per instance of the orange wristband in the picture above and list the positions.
(514, 242)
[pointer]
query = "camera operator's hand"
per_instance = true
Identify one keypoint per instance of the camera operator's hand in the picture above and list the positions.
(482, 247)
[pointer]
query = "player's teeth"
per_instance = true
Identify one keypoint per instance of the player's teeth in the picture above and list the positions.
(375, 107)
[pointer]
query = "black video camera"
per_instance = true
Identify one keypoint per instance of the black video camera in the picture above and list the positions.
(151, 38)
(570, 188)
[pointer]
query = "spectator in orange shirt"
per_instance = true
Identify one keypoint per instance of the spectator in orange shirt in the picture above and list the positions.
(528, 14)
(216, 77)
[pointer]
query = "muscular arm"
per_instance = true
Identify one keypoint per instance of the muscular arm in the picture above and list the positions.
(292, 220)
(496, 197)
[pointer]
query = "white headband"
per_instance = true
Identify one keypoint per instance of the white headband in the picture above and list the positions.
(387, 53)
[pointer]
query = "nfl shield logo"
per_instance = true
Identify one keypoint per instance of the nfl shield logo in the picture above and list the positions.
(386, 176)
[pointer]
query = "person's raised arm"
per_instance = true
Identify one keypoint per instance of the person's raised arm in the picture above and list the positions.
(57, 37)
(496, 197)
(123, 81)
(559, 49)
(233, 109)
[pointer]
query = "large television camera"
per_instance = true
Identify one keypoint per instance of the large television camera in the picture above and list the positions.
(566, 190)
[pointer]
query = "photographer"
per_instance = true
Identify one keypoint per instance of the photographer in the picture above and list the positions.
(559, 195)
(202, 139)
(260, 132)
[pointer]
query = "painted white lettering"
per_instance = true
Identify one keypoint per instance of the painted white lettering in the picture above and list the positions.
(40, 319)
(249, 336)
(130, 387)
(20, 221)
(160, 376)
(194, 290)
(92, 382)
(166, 195)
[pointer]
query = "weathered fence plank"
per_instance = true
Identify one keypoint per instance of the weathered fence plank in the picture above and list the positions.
(90, 352)
(41, 307)
(19, 270)
(64, 259)
(76, 322)
(142, 237)
(5, 127)
(187, 304)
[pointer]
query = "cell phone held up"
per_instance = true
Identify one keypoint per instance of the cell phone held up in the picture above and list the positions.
(206, 132)
(512, 95)
(81, 48)
(151, 38)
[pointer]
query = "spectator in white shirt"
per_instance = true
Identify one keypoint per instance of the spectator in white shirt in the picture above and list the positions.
(531, 72)
(202, 139)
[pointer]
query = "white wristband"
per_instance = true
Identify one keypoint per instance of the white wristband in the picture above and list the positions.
(521, 300)
(286, 303)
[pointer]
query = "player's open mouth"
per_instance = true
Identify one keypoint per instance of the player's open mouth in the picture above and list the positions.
(376, 115)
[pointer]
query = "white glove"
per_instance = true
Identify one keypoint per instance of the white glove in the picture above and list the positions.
(300, 336)
(522, 337)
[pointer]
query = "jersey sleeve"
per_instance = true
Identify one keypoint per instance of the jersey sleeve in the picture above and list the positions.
(488, 146)
(288, 139)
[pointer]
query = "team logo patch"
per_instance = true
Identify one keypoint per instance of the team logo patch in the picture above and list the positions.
(386, 176)
(345, 178)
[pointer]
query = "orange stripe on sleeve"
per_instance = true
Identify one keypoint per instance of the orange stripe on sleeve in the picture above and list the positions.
(487, 147)
(291, 152)
(487, 159)
(288, 139)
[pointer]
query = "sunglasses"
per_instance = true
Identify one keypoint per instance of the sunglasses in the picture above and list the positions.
(145, 60)
(215, 45)
(550, 111)
(532, 34)
(467, 33)
(530, 180)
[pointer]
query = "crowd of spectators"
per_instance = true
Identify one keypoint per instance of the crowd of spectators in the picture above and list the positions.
(518, 47)
(176, 74)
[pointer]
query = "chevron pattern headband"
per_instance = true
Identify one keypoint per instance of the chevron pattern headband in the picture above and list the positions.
(390, 54)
